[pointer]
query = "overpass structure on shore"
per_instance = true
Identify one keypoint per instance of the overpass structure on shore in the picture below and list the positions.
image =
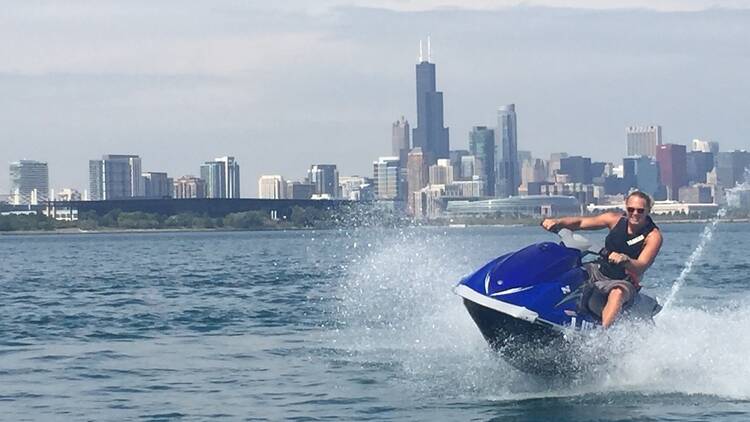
(277, 208)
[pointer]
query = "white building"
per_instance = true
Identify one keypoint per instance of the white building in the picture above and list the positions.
(271, 187)
(704, 146)
(68, 195)
(356, 188)
(643, 140)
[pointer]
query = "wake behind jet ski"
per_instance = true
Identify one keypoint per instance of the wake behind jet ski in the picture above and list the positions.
(529, 304)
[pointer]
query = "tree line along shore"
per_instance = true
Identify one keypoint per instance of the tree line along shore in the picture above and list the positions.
(300, 218)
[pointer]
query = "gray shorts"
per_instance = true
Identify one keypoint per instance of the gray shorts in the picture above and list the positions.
(605, 284)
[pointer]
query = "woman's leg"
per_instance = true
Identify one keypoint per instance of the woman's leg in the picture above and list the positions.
(613, 306)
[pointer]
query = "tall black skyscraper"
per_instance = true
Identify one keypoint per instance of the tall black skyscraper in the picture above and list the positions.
(430, 135)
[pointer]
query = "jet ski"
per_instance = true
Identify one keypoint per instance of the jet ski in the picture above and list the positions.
(535, 306)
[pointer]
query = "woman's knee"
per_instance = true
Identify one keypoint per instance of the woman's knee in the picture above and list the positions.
(616, 294)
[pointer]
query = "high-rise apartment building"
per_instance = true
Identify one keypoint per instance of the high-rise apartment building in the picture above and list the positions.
(157, 185)
(386, 173)
(325, 178)
(115, 177)
(213, 175)
(29, 182)
(643, 140)
(429, 135)
(231, 170)
(672, 160)
(189, 187)
(271, 187)
(482, 146)
(417, 175)
(222, 177)
(507, 175)
(400, 139)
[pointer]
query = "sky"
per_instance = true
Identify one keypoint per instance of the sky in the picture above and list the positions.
(282, 85)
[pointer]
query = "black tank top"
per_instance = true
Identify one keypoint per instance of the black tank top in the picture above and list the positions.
(618, 240)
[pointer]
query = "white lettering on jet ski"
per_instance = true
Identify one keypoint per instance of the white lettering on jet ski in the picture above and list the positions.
(635, 240)
(565, 289)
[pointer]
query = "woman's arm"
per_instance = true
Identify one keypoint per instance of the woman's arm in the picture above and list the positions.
(601, 221)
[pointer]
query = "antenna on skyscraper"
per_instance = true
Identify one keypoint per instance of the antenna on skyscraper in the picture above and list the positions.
(420, 51)
(429, 50)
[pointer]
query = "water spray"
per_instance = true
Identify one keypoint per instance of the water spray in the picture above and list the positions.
(733, 199)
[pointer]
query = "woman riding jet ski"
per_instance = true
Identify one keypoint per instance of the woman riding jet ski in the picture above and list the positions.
(528, 303)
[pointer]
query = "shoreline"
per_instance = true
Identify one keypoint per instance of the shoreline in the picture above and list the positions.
(77, 231)
(453, 225)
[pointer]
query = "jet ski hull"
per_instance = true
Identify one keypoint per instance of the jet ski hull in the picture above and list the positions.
(533, 347)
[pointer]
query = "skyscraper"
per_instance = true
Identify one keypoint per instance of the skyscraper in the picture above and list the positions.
(400, 139)
(417, 175)
(271, 187)
(429, 135)
(157, 185)
(29, 182)
(647, 175)
(386, 173)
(507, 175)
(116, 177)
(482, 146)
(231, 172)
(222, 177)
(672, 160)
(643, 140)
(325, 178)
(212, 174)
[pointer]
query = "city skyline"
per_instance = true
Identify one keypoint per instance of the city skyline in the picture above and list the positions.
(96, 105)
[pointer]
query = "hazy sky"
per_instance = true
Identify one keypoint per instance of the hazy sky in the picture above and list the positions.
(281, 85)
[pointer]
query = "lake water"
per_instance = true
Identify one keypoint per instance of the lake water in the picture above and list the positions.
(341, 325)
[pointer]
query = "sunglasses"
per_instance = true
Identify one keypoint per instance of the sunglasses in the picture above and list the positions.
(632, 210)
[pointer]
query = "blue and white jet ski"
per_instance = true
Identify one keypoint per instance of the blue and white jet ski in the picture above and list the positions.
(531, 305)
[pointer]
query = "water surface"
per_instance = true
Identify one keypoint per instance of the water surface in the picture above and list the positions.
(341, 325)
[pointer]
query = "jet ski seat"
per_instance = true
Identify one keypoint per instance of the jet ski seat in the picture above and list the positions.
(592, 300)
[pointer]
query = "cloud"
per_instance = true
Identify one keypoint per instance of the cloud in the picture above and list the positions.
(494, 5)
(284, 86)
